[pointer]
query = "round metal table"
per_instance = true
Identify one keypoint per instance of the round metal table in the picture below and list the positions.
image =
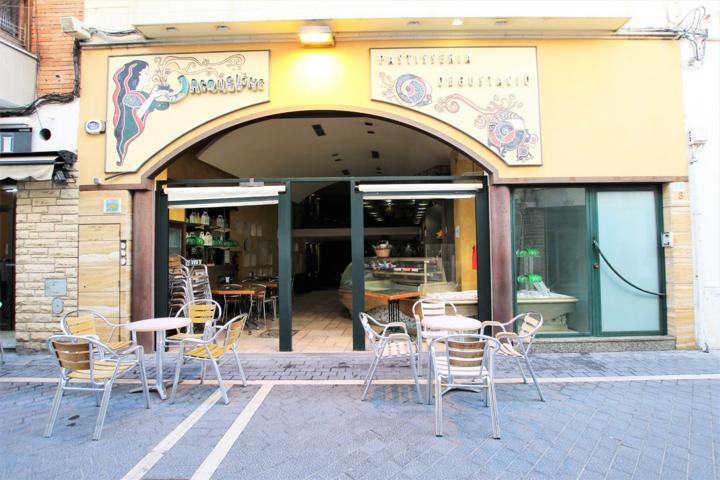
(159, 325)
(451, 323)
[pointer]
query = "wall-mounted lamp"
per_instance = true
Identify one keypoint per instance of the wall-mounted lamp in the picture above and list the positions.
(316, 36)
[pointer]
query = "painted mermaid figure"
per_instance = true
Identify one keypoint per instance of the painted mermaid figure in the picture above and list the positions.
(133, 104)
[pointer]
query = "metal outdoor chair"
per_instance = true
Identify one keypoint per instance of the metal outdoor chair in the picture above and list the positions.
(93, 324)
(88, 361)
(388, 345)
(428, 308)
(466, 362)
(224, 341)
(517, 345)
(200, 312)
(262, 300)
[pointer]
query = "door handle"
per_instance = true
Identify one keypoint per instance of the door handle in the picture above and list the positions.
(596, 266)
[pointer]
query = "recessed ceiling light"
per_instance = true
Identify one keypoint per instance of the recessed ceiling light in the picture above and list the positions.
(501, 21)
(457, 22)
(338, 159)
(413, 23)
(222, 28)
(369, 124)
(171, 29)
(371, 132)
(335, 154)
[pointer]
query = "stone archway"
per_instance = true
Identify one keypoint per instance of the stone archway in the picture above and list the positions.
(499, 199)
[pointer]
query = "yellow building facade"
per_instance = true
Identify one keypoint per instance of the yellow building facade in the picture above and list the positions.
(610, 119)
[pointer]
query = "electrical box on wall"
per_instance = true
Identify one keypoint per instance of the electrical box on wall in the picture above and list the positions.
(667, 239)
(15, 139)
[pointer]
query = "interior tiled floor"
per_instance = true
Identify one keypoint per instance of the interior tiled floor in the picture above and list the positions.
(322, 323)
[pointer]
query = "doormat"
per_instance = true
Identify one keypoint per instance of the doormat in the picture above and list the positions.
(273, 333)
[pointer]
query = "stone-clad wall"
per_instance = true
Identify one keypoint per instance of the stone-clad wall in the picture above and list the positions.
(679, 265)
(46, 248)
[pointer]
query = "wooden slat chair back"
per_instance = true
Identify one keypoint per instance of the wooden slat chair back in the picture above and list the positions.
(529, 327)
(211, 351)
(73, 356)
(202, 313)
(465, 353)
(234, 330)
(89, 323)
(82, 326)
(429, 308)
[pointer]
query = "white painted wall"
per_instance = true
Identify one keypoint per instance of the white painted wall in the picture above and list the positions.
(701, 89)
(61, 119)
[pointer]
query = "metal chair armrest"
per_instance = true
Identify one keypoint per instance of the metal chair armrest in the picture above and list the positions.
(510, 335)
(394, 337)
(493, 323)
(393, 325)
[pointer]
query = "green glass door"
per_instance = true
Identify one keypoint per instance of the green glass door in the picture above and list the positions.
(627, 234)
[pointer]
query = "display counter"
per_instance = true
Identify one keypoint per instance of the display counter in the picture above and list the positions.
(391, 274)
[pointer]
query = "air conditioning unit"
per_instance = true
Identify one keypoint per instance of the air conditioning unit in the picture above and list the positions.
(15, 139)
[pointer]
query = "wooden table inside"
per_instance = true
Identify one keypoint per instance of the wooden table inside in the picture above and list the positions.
(391, 294)
(393, 298)
(243, 291)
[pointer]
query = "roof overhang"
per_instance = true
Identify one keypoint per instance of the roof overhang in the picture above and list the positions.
(369, 28)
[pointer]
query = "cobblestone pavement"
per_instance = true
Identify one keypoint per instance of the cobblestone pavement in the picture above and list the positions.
(640, 427)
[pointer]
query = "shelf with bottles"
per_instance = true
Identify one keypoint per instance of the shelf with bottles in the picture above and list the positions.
(207, 236)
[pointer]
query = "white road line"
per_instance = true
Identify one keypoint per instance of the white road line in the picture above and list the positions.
(173, 437)
(212, 461)
(406, 381)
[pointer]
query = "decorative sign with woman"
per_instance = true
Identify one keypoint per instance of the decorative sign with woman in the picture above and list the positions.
(133, 104)
(142, 87)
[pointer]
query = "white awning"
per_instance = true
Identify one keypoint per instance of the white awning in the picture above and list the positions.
(211, 197)
(22, 167)
(419, 191)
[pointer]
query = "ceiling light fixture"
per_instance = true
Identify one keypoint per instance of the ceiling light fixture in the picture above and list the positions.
(413, 23)
(171, 29)
(316, 36)
(457, 22)
(222, 28)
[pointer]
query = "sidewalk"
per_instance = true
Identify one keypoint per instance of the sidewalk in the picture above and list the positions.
(607, 415)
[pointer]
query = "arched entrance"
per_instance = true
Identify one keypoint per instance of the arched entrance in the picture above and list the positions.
(412, 182)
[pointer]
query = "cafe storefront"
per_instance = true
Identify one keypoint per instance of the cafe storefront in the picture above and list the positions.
(575, 146)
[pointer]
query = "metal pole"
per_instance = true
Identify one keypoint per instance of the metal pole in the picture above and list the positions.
(358, 265)
(482, 242)
(285, 267)
(162, 234)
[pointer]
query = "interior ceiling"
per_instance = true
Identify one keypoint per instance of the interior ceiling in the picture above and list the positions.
(290, 147)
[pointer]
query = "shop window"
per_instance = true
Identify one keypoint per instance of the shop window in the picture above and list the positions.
(551, 257)
(559, 272)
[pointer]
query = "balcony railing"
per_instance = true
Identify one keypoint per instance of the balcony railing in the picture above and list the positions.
(15, 21)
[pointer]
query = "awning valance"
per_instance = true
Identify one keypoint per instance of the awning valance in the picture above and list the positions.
(54, 165)
(401, 191)
(23, 166)
(211, 197)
